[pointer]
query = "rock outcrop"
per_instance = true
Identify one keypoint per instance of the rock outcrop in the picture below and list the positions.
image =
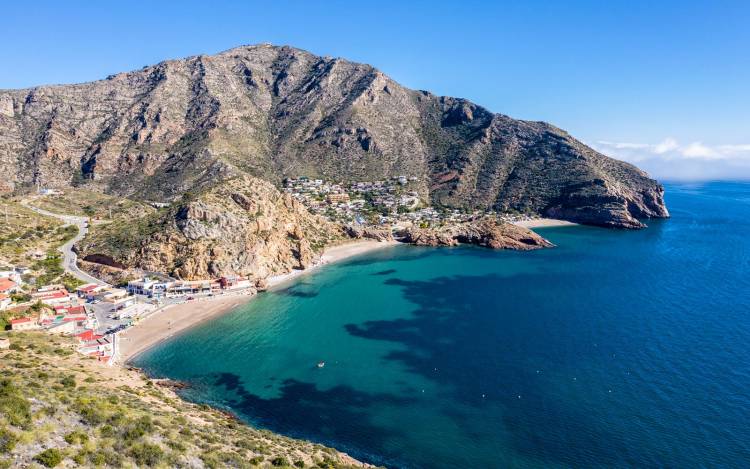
(486, 233)
(241, 227)
(272, 112)
(368, 232)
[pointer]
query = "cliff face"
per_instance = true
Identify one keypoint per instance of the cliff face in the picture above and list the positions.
(243, 226)
(273, 112)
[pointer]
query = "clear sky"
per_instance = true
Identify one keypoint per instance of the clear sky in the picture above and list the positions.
(664, 83)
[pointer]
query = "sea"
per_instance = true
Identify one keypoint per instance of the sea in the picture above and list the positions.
(616, 348)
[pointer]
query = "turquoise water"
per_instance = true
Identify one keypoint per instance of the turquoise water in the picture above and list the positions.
(616, 348)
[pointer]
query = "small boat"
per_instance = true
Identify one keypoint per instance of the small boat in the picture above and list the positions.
(321, 364)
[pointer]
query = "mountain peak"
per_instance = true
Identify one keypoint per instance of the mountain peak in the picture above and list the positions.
(275, 111)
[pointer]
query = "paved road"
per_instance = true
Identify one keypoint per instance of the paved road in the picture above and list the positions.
(70, 257)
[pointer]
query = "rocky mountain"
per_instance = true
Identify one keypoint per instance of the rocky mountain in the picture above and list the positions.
(243, 226)
(272, 112)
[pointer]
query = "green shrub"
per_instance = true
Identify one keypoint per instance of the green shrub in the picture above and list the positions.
(76, 437)
(279, 461)
(138, 428)
(300, 463)
(68, 382)
(49, 457)
(13, 405)
(146, 454)
(8, 440)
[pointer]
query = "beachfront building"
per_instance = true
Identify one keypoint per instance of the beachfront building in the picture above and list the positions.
(148, 287)
(189, 287)
(234, 282)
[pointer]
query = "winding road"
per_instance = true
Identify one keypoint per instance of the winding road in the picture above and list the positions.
(70, 257)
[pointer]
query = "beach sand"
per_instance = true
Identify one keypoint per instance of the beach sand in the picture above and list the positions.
(333, 254)
(543, 223)
(174, 319)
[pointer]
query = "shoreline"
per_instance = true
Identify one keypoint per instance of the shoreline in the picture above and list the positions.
(543, 223)
(331, 255)
(175, 319)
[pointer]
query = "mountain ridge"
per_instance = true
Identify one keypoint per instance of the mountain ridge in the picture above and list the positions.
(277, 111)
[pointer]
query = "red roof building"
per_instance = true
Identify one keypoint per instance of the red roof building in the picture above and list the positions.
(88, 335)
(7, 286)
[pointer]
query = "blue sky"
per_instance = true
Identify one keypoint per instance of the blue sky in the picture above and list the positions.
(664, 84)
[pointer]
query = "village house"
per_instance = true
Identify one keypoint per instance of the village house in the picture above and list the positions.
(11, 275)
(4, 343)
(88, 291)
(53, 297)
(8, 286)
(110, 295)
(24, 324)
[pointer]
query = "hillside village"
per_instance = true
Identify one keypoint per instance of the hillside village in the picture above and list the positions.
(392, 202)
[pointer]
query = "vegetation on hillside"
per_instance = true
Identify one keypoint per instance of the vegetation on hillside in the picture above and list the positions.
(60, 409)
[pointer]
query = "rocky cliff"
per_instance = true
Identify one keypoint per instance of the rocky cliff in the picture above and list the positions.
(243, 226)
(486, 233)
(271, 112)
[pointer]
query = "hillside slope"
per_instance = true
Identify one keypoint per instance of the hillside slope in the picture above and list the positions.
(273, 112)
(60, 409)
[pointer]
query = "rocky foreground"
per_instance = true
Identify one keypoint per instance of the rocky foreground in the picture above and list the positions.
(272, 112)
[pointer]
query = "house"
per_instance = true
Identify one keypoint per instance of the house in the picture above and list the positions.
(5, 301)
(8, 286)
(122, 302)
(189, 287)
(88, 335)
(4, 343)
(148, 287)
(234, 283)
(23, 324)
(11, 275)
(111, 295)
(89, 290)
(52, 297)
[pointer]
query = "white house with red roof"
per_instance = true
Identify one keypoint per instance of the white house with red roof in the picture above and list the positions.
(24, 324)
(8, 286)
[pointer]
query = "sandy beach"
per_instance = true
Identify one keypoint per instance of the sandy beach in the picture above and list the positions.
(543, 223)
(174, 319)
(333, 254)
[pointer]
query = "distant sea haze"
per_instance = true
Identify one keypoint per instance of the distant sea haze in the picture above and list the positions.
(616, 348)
